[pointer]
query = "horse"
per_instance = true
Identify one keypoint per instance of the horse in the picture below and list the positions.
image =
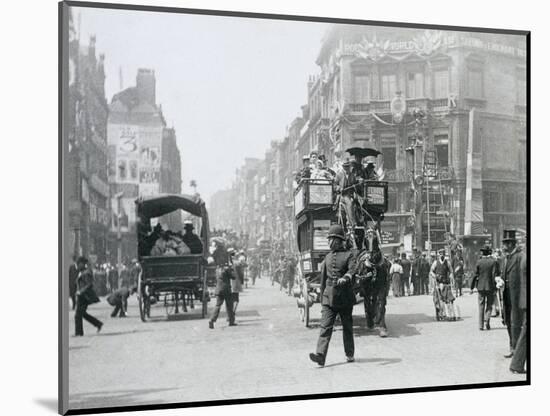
(373, 276)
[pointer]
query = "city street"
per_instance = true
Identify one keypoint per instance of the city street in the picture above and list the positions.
(180, 359)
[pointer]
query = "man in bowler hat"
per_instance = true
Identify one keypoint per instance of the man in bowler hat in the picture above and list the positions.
(85, 296)
(337, 297)
(224, 274)
(484, 280)
(511, 274)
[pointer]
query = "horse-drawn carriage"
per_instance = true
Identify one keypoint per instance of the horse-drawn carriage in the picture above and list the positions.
(175, 280)
(316, 208)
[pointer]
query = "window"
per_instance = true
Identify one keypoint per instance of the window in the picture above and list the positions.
(510, 202)
(122, 170)
(442, 150)
(389, 155)
(475, 83)
(361, 88)
(521, 202)
(415, 85)
(392, 200)
(441, 84)
(522, 157)
(388, 86)
(491, 201)
(521, 88)
(133, 169)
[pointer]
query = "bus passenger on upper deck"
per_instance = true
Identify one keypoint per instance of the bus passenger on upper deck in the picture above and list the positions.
(305, 173)
(370, 169)
(320, 171)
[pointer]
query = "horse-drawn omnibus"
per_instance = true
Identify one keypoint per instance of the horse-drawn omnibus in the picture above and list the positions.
(316, 208)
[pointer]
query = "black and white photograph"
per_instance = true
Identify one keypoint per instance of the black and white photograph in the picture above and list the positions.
(260, 207)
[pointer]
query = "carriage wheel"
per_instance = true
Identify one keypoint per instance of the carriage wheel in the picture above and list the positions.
(170, 300)
(142, 296)
(204, 299)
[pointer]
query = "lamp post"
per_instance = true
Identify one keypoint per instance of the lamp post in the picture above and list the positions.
(118, 197)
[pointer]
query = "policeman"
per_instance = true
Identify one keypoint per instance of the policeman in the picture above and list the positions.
(337, 297)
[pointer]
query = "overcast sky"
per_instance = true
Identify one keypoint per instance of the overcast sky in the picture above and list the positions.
(228, 85)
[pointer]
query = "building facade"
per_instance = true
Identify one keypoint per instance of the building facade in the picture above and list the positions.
(87, 186)
(144, 159)
(456, 99)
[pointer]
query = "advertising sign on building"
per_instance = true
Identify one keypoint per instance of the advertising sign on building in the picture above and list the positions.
(123, 141)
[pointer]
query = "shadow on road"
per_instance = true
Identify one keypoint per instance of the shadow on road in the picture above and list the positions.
(381, 361)
(402, 325)
(107, 398)
(133, 331)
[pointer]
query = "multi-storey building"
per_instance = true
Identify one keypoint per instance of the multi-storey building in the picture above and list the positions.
(446, 75)
(459, 97)
(143, 158)
(87, 187)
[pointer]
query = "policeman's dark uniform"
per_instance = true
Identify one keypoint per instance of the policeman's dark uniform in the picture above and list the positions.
(336, 299)
(224, 274)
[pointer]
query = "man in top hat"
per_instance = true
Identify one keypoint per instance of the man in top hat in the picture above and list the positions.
(191, 239)
(484, 279)
(337, 297)
(517, 365)
(345, 182)
(370, 168)
(511, 274)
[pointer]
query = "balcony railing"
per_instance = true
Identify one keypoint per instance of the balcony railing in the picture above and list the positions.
(396, 175)
(383, 107)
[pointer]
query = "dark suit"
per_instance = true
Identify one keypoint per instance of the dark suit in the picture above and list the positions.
(511, 275)
(119, 300)
(520, 353)
(423, 276)
(224, 274)
(458, 270)
(337, 299)
(85, 297)
(406, 264)
(344, 181)
(484, 279)
(193, 242)
(73, 274)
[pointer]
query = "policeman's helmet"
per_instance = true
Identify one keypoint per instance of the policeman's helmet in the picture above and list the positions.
(336, 231)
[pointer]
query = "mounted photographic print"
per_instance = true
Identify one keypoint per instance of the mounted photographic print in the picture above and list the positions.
(239, 191)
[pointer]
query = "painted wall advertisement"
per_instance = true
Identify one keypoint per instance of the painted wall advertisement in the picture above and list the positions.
(135, 156)
(150, 139)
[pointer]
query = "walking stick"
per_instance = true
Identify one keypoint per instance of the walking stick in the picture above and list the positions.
(500, 308)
